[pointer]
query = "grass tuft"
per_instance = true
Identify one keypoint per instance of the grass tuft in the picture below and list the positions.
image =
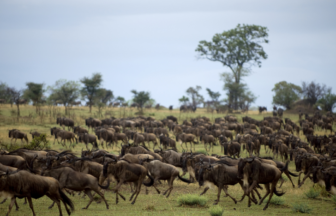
(216, 211)
(302, 208)
(312, 193)
(276, 200)
(192, 200)
(149, 208)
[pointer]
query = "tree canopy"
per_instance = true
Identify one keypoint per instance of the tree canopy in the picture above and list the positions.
(328, 101)
(195, 96)
(183, 99)
(286, 94)
(140, 97)
(91, 89)
(65, 92)
(314, 91)
(34, 92)
(213, 95)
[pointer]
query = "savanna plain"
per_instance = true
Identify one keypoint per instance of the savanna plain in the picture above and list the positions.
(153, 203)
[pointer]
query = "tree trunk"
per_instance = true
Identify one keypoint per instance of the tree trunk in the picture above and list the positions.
(18, 109)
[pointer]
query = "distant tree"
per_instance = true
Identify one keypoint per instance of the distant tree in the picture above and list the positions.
(34, 92)
(238, 94)
(15, 97)
(286, 94)
(314, 91)
(65, 91)
(238, 49)
(183, 100)
(141, 98)
(91, 89)
(328, 101)
(120, 99)
(3, 92)
(105, 96)
(213, 95)
(196, 97)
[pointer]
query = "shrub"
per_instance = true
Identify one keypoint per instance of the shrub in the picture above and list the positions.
(312, 193)
(333, 199)
(276, 200)
(302, 208)
(191, 200)
(216, 211)
(202, 152)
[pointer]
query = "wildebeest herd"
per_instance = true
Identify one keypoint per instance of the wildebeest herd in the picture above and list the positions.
(30, 174)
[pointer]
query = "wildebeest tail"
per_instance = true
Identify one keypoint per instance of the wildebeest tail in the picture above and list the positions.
(151, 181)
(105, 169)
(292, 174)
(278, 193)
(285, 167)
(106, 186)
(183, 179)
(66, 200)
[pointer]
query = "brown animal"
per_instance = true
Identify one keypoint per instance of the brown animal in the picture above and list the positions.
(125, 172)
(76, 181)
(16, 134)
(24, 184)
(186, 138)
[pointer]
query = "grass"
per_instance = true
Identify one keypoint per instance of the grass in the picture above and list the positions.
(301, 208)
(333, 199)
(312, 193)
(202, 152)
(276, 200)
(216, 211)
(142, 207)
(192, 200)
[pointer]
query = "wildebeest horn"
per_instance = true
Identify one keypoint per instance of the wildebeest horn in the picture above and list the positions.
(250, 159)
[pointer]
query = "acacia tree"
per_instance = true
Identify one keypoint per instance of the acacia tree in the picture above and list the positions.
(91, 89)
(3, 92)
(314, 91)
(15, 97)
(286, 94)
(64, 91)
(237, 49)
(141, 98)
(196, 97)
(328, 101)
(34, 92)
(184, 100)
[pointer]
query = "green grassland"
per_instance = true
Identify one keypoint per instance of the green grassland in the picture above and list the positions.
(153, 203)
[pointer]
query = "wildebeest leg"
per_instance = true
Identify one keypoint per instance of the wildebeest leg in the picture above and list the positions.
(11, 205)
(32, 207)
(25, 202)
(3, 201)
(102, 196)
(218, 195)
(52, 205)
(205, 190)
(16, 206)
(227, 194)
(138, 190)
(116, 191)
(267, 186)
(59, 207)
(257, 192)
(88, 193)
(170, 183)
(282, 181)
(272, 191)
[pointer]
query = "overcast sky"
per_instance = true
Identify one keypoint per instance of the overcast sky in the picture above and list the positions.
(150, 45)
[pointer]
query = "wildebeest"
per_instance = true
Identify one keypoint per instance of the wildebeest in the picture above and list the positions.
(65, 122)
(261, 109)
(88, 138)
(35, 134)
(167, 142)
(186, 138)
(24, 184)
(66, 135)
(76, 181)
(163, 171)
(16, 134)
(125, 172)
(253, 172)
(79, 129)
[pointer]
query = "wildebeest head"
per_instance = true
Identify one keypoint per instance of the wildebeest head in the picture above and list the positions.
(328, 174)
(241, 165)
(298, 160)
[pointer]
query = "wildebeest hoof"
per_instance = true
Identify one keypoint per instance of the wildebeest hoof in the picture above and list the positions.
(132, 203)
(215, 203)
(107, 207)
(84, 208)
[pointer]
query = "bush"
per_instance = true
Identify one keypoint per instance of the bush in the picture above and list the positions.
(333, 199)
(202, 152)
(216, 211)
(312, 193)
(302, 208)
(276, 200)
(192, 200)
